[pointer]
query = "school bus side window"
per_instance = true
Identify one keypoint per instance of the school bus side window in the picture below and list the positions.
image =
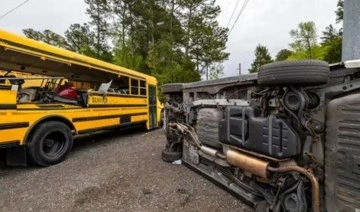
(134, 87)
(123, 85)
(142, 88)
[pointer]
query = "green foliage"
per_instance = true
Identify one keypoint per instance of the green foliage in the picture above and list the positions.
(262, 57)
(205, 40)
(168, 66)
(99, 12)
(332, 44)
(47, 36)
(332, 38)
(333, 50)
(305, 41)
(317, 51)
(124, 57)
(81, 39)
(216, 71)
(283, 54)
(78, 36)
(305, 45)
(33, 34)
(330, 34)
(340, 11)
(174, 40)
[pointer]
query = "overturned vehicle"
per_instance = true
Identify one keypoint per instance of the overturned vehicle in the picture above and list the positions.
(285, 139)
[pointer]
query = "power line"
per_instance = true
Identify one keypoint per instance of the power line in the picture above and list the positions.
(232, 15)
(12, 10)
(240, 12)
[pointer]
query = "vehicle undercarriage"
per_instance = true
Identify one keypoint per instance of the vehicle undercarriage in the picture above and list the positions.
(285, 139)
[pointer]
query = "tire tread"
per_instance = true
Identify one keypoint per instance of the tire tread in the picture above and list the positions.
(302, 72)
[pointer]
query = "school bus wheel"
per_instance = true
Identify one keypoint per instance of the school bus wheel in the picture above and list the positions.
(50, 144)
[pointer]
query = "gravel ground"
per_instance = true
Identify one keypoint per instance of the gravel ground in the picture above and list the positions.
(118, 171)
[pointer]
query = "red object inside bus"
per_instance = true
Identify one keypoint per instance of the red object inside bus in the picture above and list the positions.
(68, 91)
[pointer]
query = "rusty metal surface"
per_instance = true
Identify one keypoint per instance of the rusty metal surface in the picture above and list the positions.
(253, 165)
(315, 188)
(262, 156)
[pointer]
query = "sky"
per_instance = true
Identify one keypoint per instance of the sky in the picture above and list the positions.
(266, 22)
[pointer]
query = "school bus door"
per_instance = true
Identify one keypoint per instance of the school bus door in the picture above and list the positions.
(152, 107)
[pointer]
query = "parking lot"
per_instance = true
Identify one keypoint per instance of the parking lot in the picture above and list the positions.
(113, 171)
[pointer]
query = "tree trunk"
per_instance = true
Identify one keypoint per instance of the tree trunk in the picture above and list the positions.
(171, 17)
(123, 26)
(309, 48)
(152, 22)
(98, 29)
(188, 32)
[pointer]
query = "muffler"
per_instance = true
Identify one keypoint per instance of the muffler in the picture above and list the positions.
(261, 168)
(253, 165)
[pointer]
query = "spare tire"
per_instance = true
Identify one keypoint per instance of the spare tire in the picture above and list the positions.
(168, 156)
(301, 72)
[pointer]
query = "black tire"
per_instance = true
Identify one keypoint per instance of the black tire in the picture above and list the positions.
(302, 72)
(170, 156)
(50, 144)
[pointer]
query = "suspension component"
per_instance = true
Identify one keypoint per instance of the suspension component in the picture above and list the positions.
(314, 182)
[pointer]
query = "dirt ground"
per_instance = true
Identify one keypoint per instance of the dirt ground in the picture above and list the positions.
(112, 171)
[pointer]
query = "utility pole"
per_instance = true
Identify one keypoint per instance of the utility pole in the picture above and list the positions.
(351, 26)
(239, 69)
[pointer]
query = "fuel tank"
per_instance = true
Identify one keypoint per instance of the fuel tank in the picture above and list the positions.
(272, 136)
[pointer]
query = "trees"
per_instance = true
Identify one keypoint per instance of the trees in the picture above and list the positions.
(305, 42)
(99, 12)
(33, 34)
(332, 44)
(81, 39)
(340, 11)
(305, 45)
(205, 40)
(283, 54)
(262, 57)
(216, 71)
(47, 36)
(122, 21)
(175, 40)
(332, 38)
(78, 38)
(175, 35)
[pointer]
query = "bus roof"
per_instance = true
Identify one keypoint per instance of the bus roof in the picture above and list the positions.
(19, 53)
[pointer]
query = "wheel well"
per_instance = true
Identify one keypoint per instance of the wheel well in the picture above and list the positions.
(61, 119)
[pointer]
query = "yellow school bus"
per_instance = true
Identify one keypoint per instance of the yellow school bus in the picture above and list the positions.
(38, 122)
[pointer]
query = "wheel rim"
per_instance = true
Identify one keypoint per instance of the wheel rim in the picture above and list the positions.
(53, 144)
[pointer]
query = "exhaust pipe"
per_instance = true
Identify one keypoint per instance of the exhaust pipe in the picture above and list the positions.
(261, 168)
(314, 183)
(253, 165)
